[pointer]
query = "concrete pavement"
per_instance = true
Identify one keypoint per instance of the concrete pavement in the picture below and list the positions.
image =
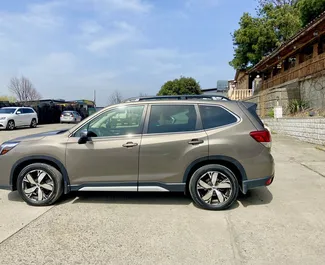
(283, 224)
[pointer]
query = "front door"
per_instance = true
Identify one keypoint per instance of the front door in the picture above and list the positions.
(172, 141)
(19, 117)
(110, 159)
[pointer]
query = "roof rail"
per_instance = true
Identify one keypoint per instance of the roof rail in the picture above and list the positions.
(178, 97)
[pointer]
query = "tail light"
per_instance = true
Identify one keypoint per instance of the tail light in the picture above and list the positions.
(263, 137)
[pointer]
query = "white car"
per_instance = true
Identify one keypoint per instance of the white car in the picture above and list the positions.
(12, 117)
(70, 116)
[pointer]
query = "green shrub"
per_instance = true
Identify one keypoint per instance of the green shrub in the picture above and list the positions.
(297, 105)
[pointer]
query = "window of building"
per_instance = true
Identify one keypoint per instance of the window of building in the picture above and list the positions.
(172, 118)
(321, 45)
(215, 116)
(289, 63)
(307, 53)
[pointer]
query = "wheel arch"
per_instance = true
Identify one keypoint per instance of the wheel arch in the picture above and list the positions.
(20, 164)
(229, 162)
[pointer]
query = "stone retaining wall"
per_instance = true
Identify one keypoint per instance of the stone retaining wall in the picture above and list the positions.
(310, 130)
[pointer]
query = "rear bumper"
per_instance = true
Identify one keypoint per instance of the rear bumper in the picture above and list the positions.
(257, 183)
(4, 187)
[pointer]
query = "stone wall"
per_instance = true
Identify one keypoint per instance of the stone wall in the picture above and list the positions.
(310, 90)
(310, 130)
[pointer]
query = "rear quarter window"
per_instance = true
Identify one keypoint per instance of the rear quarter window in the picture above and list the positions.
(216, 116)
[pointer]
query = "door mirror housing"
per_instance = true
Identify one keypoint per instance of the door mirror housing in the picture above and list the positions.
(85, 136)
(18, 112)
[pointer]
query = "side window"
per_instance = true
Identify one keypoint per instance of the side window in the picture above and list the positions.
(116, 122)
(26, 111)
(214, 116)
(172, 118)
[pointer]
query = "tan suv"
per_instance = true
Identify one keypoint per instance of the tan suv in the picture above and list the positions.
(211, 149)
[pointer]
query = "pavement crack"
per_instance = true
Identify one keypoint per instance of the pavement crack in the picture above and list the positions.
(315, 171)
(235, 249)
(23, 227)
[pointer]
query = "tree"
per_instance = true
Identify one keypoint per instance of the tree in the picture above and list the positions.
(259, 36)
(181, 86)
(115, 98)
(23, 89)
(263, 3)
(310, 9)
(11, 99)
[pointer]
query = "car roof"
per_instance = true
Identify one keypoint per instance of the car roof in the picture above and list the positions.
(9, 107)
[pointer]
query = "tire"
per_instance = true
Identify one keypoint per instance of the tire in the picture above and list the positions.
(52, 179)
(222, 197)
(11, 125)
(33, 123)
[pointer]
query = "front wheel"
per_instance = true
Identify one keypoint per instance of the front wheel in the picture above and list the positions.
(40, 184)
(214, 187)
(11, 125)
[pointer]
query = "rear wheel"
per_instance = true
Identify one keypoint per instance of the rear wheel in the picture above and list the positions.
(11, 125)
(214, 187)
(33, 123)
(40, 184)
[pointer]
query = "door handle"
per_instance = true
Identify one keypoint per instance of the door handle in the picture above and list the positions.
(129, 144)
(196, 141)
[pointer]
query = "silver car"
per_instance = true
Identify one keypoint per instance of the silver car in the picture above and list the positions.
(70, 116)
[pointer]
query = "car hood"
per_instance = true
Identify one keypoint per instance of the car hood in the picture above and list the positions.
(38, 136)
(5, 115)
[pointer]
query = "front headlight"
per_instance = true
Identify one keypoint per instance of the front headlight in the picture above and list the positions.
(6, 147)
(2, 118)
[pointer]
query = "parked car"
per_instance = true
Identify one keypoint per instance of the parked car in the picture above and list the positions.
(13, 117)
(208, 149)
(70, 116)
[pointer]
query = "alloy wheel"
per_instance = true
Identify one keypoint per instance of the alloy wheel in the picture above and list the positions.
(38, 185)
(214, 188)
(33, 123)
(11, 125)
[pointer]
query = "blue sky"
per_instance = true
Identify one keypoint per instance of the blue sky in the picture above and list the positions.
(68, 48)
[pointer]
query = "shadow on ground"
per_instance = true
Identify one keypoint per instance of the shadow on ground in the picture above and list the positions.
(255, 197)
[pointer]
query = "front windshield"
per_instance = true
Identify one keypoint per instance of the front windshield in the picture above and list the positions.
(7, 111)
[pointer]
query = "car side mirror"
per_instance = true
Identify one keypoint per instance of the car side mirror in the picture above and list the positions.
(85, 136)
(18, 112)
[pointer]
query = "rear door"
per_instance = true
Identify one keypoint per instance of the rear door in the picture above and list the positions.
(173, 138)
(27, 116)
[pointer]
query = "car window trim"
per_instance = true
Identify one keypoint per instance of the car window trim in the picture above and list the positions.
(239, 119)
(117, 136)
(198, 125)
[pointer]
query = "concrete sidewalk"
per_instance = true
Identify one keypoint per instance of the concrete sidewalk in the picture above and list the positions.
(283, 224)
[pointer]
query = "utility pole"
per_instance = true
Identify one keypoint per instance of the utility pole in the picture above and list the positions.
(95, 97)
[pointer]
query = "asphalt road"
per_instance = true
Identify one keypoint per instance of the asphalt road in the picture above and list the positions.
(283, 224)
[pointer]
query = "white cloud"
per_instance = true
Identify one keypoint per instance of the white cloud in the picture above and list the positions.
(201, 3)
(138, 6)
(37, 15)
(115, 34)
(102, 44)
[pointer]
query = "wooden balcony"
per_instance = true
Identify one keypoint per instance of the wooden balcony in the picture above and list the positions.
(302, 70)
(240, 94)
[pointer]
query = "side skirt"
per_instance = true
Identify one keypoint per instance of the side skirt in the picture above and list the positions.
(130, 187)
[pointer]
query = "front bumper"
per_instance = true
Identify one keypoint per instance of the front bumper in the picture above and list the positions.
(3, 124)
(256, 183)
